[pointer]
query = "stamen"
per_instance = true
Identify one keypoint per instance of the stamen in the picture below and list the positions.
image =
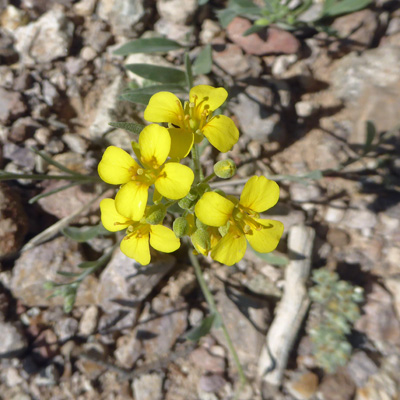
(247, 229)
(140, 171)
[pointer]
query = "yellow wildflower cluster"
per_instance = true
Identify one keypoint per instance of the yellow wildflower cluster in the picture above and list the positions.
(218, 225)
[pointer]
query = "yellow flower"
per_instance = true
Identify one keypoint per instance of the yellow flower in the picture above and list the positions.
(171, 180)
(195, 119)
(241, 220)
(139, 235)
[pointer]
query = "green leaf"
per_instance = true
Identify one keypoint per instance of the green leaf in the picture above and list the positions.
(203, 62)
(272, 258)
(202, 2)
(157, 74)
(148, 45)
(201, 330)
(339, 7)
(137, 98)
(85, 233)
(153, 89)
(128, 126)
(68, 274)
(226, 16)
(369, 137)
(256, 28)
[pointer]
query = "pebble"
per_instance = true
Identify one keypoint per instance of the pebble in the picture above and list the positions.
(206, 361)
(211, 383)
(304, 193)
(76, 143)
(209, 30)
(177, 11)
(305, 108)
(148, 387)
(32, 41)
(66, 328)
(12, 106)
(88, 322)
(303, 386)
(360, 368)
(13, 342)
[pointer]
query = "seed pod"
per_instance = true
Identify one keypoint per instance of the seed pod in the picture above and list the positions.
(180, 227)
(201, 241)
(225, 169)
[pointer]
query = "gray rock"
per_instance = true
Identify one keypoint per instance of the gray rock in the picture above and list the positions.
(12, 341)
(206, 361)
(258, 120)
(209, 30)
(177, 11)
(304, 193)
(359, 218)
(155, 335)
(148, 387)
(50, 93)
(21, 156)
(32, 40)
(305, 108)
(124, 284)
(13, 221)
(40, 264)
(48, 376)
(66, 328)
(183, 34)
(360, 368)
(244, 317)
(122, 15)
(75, 142)
(85, 7)
(231, 59)
(23, 129)
(211, 383)
(97, 36)
(11, 106)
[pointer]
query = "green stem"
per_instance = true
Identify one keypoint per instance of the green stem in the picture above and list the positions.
(213, 308)
(198, 173)
(208, 178)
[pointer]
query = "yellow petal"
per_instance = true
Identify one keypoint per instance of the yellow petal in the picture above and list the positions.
(111, 219)
(266, 239)
(174, 181)
(259, 194)
(213, 209)
(137, 248)
(131, 200)
(181, 142)
(230, 249)
(163, 239)
(154, 144)
(221, 133)
(164, 107)
(114, 167)
(208, 97)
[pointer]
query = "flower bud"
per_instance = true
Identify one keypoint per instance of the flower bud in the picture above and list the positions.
(201, 241)
(180, 227)
(225, 169)
(185, 203)
(155, 214)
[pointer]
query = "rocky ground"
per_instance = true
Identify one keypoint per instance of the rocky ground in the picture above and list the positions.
(301, 104)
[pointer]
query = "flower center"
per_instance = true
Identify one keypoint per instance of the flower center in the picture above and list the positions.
(137, 230)
(243, 218)
(144, 175)
(194, 115)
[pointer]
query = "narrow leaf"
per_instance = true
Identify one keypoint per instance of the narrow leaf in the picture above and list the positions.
(202, 2)
(128, 126)
(157, 74)
(369, 137)
(157, 88)
(343, 7)
(203, 62)
(147, 45)
(201, 330)
(272, 258)
(137, 98)
(68, 274)
(85, 233)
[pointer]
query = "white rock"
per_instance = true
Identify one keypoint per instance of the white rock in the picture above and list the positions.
(12, 341)
(178, 11)
(209, 30)
(84, 7)
(88, 322)
(305, 108)
(122, 15)
(46, 39)
(148, 387)
(13, 17)
(335, 211)
(282, 63)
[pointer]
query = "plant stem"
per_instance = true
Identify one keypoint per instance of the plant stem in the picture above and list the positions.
(208, 178)
(198, 173)
(213, 308)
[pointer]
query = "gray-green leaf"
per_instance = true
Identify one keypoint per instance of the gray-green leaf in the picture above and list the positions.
(147, 45)
(157, 74)
(84, 233)
(201, 330)
(203, 62)
(128, 126)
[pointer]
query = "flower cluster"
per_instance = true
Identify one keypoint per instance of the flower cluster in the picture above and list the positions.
(217, 224)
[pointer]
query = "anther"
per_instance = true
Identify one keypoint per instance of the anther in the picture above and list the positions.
(140, 171)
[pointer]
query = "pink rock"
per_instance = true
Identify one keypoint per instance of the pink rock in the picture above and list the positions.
(273, 41)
